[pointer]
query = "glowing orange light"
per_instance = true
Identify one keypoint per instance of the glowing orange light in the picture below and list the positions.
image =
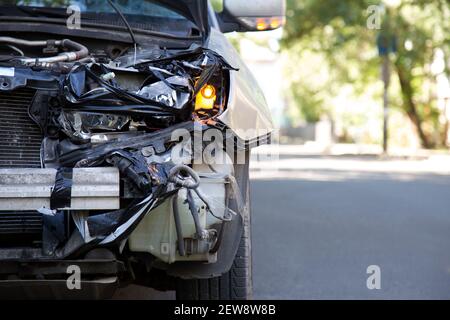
(275, 23)
(208, 91)
(261, 24)
(206, 98)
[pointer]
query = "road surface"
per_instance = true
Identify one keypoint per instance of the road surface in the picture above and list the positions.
(320, 222)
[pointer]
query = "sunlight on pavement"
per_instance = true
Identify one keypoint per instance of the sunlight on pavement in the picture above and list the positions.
(292, 163)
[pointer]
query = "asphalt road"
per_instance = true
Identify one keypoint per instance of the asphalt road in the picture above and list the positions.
(317, 230)
(319, 222)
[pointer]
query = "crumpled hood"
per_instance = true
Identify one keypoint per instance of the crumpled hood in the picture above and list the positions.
(194, 10)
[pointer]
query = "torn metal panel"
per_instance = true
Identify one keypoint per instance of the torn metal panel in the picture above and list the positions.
(157, 139)
(247, 113)
(166, 92)
(108, 135)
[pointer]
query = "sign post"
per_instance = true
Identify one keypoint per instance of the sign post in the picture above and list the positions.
(386, 44)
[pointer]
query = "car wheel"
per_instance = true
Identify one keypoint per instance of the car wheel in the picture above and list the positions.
(236, 284)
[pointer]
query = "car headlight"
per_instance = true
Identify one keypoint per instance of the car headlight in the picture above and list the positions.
(80, 124)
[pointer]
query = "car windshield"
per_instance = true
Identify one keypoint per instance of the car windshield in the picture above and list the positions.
(140, 14)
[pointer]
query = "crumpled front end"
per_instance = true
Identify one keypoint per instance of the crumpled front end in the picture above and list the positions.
(125, 154)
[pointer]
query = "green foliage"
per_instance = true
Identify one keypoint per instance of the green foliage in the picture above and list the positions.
(217, 5)
(310, 100)
(338, 31)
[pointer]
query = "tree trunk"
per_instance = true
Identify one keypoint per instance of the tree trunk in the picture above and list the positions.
(409, 105)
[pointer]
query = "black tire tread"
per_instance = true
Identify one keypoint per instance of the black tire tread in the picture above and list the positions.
(236, 284)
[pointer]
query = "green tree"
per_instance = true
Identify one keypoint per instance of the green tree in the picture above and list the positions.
(339, 31)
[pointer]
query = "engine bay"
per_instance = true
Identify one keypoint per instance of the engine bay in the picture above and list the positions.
(141, 91)
(120, 110)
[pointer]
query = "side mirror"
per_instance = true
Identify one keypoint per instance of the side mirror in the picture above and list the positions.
(253, 15)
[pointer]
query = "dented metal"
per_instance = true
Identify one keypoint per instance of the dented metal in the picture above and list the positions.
(123, 144)
(114, 172)
(107, 148)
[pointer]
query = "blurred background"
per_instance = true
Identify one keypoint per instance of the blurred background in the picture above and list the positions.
(323, 73)
(360, 93)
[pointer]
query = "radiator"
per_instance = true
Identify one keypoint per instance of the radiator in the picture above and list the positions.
(20, 136)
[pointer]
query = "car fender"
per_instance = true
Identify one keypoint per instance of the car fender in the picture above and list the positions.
(247, 112)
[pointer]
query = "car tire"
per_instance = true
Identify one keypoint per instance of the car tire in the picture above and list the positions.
(236, 284)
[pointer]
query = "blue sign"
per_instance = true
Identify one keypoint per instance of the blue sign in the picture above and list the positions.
(386, 44)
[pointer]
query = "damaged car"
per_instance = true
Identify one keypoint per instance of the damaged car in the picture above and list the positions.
(126, 129)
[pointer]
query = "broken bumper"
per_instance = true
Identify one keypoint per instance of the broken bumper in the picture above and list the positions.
(125, 152)
(31, 189)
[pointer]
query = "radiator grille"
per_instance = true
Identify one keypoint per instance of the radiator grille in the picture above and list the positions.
(20, 228)
(20, 136)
